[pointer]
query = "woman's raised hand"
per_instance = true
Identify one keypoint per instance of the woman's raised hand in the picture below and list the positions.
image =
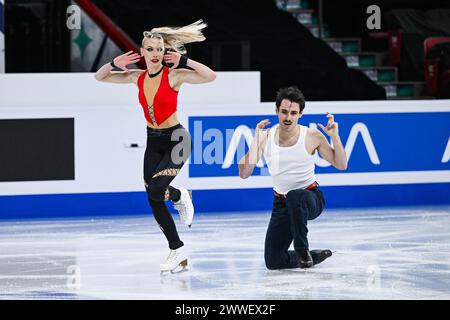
(125, 59)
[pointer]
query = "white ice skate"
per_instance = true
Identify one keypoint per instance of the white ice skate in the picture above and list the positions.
(176, 262)
(185, 207)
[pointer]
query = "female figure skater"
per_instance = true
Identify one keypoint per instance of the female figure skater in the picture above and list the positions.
(158, 85)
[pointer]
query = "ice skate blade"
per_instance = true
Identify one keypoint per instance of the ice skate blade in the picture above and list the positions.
(190, 195)
(174, 272)
(182, 267)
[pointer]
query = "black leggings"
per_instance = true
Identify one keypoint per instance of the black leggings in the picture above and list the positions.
(166, 152)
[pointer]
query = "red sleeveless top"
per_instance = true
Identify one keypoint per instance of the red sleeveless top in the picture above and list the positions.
(164, 102)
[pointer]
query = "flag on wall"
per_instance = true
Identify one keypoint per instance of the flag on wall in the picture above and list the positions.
(91, 47)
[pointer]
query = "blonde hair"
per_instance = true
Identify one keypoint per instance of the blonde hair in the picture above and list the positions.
(176, 37)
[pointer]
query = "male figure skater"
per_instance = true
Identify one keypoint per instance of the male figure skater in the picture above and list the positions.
(288, 149)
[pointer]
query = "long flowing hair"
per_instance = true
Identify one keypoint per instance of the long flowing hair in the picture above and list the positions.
(176, 37)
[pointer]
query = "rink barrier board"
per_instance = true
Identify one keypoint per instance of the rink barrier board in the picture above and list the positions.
(399, 151)
(217, 201)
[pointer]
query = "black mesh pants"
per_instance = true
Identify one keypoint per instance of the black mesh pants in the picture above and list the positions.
(166, 152)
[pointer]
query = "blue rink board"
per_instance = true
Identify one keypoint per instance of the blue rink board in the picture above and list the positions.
(213, 201)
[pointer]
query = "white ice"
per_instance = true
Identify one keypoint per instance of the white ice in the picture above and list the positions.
(385, 253)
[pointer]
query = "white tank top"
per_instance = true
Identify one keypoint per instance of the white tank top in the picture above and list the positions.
(290, 167)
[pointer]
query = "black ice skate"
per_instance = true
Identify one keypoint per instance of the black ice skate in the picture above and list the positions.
(320, 255)
(304, 258)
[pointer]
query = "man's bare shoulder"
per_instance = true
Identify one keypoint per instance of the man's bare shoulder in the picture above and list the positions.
(314, 133)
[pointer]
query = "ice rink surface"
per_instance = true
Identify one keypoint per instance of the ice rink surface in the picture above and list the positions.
(384, 253)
